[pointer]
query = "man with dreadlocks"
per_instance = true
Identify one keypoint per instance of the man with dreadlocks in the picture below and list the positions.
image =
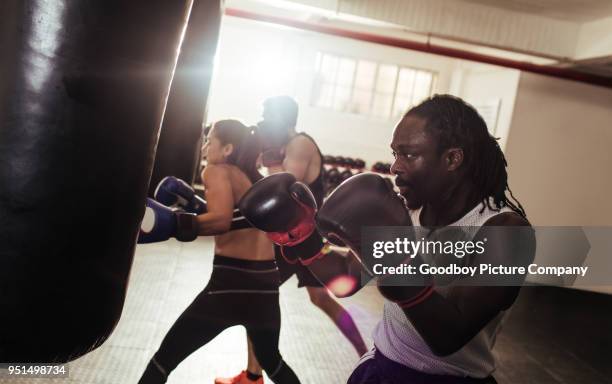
(450, 172)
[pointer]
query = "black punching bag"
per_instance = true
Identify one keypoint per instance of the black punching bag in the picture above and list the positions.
(83, 87)
(178, 151)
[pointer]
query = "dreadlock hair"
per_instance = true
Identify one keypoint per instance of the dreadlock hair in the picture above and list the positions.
(456, 123)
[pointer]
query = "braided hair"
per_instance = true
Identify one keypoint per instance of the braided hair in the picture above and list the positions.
(456, 123)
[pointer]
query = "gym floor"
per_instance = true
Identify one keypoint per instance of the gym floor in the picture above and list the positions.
(551, 336)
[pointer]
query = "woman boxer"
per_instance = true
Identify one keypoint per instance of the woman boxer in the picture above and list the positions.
(243, 287)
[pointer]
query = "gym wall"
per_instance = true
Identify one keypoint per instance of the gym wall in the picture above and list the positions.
(559, 154)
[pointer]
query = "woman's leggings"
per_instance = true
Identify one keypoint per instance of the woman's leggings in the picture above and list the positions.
(240, 292)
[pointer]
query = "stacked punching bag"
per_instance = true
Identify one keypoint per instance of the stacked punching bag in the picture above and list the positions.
(83, 88)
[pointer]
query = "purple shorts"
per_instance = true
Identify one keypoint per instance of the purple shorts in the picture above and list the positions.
(374, 368)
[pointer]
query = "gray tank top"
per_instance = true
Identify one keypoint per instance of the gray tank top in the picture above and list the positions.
(398, 340)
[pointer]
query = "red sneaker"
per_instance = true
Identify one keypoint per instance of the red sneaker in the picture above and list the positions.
(240, 379)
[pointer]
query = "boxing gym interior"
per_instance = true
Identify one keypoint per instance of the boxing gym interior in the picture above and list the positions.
(101, 101)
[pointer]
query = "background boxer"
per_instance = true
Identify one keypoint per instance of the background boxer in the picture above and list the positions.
(286, 150)
(245, 279)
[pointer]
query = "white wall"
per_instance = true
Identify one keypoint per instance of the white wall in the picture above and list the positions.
(481, 84)
(594, 39)
(253, 61)
(468, 21)
(257, 60)
(247, 71)
(558, 151)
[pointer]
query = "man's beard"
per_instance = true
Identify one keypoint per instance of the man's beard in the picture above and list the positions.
(409, 195)
(411, 202)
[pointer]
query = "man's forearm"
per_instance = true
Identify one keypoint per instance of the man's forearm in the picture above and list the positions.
(441, 324)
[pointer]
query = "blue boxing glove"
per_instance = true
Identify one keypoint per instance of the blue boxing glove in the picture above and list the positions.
(161, 223)
(172, 191)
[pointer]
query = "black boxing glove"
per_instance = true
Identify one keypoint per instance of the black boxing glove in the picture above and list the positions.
(364, 200)
(282, 207)
(306, 252)
(367, 200)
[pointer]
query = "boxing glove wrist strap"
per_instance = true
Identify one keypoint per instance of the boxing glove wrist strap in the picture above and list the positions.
(415, 300)
(309, 260)
(186, 226)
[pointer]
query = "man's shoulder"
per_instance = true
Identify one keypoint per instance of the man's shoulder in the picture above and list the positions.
(303, 137)
(302, 142)
(507, 219)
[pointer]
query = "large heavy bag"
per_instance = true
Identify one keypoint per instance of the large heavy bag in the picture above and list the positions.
(180, 140)
(83, 87)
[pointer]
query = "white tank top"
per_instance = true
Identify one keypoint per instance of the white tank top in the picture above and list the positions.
(398, 340)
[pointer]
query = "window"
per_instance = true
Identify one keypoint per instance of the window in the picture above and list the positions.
(368, 88)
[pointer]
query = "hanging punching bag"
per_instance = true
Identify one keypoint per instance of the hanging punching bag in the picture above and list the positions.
(83, 87)
(178, 151)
